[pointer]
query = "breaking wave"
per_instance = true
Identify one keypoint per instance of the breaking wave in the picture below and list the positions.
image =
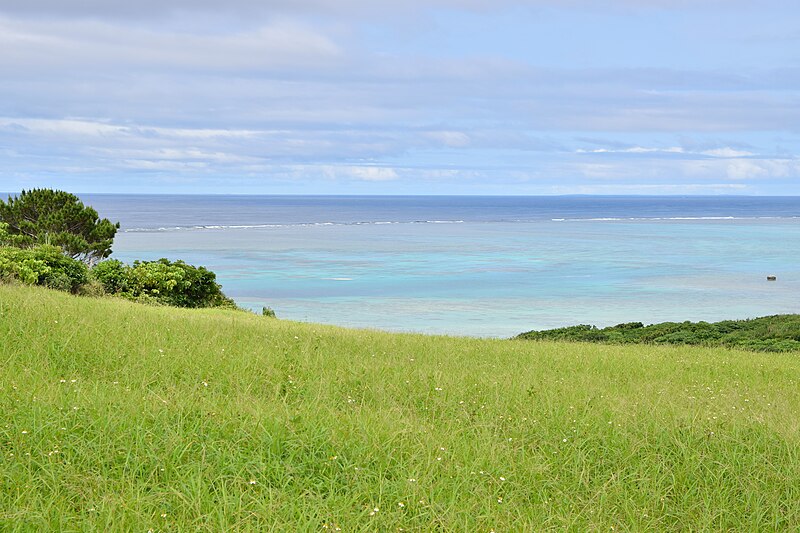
(296, 225)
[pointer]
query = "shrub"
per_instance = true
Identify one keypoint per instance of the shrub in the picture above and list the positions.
(43, 265)
(163, 281)
(629, 325)
(112, 274)
(9, 239)
(778, 333)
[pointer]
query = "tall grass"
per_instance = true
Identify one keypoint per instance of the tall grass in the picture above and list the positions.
(124, 417)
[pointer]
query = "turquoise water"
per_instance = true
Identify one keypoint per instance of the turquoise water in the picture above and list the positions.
(493, 277)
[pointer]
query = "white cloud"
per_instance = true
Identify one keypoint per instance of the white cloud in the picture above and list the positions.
(164, 166)
(92, 44)
(452, 139)
(94, 128)
(371, 173)
(189, 155)
(727, 152)
(724, 152)
(632, 150)
(150, 9)
(339, 172)
(651, 188)
(750, 169)
(62, 127)
(681, 169)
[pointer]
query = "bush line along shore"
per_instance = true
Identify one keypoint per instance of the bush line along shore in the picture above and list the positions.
(51, 238)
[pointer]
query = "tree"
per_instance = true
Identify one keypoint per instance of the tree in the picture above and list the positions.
(45, 216)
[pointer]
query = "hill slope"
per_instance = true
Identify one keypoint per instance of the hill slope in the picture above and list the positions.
(126, 417)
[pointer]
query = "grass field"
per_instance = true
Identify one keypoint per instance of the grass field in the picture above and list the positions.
(121, 417)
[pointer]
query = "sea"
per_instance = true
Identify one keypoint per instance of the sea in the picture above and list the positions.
(486, 266)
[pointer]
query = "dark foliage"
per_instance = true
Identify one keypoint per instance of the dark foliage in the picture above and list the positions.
(778, 333)
(45, 216)
(163, 281)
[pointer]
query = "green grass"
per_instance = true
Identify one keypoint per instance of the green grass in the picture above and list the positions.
(777, 333)
(124, 417)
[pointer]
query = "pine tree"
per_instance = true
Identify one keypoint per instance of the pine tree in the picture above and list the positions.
(46, 216)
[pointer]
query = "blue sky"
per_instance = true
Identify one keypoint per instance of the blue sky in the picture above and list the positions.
(413, 97)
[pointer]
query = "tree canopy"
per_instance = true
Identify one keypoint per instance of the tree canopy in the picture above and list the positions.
(46, 216)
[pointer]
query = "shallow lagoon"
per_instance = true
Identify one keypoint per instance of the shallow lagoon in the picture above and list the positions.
(496, 278)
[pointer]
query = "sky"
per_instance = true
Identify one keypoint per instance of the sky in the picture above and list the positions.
(406, 97)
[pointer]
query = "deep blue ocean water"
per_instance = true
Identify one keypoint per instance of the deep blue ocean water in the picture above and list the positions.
(484, 266)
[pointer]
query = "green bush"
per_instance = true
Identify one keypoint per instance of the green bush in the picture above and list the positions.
(9, 239)
(629, 325)
(778, 333)
(112, 274)
(43, 265)
(171, 283)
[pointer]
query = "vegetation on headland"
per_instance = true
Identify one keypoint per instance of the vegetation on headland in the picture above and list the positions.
(57, 218)
(778, 333)
(51, 238)
(167, 282)
(125, 417)
(42, 265)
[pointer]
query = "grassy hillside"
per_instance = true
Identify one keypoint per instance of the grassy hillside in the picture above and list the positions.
(778, 333)
(124, 417)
